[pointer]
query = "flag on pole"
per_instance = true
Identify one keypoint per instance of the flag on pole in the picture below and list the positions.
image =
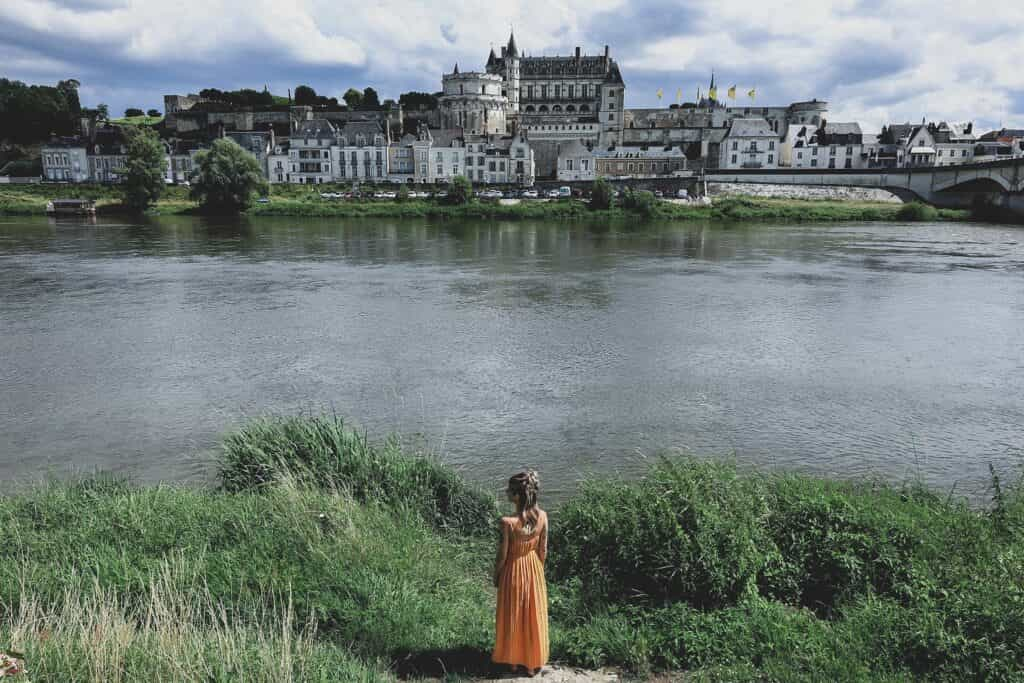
(679, 96)
(713, 93)
(660, 93)
(753, 91)
(732, 93)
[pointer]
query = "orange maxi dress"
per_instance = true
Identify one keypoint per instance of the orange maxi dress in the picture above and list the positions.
(522, 614)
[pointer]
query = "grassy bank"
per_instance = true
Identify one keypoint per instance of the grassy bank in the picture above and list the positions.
(321, 553)
(298, 200)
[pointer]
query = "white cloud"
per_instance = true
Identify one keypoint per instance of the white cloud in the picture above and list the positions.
(874, 60)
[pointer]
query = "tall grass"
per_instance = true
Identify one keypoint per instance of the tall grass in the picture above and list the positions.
(322, 556)
(325, 452)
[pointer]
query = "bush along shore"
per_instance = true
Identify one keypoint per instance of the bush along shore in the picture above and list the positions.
(321, 556)
(298, 200)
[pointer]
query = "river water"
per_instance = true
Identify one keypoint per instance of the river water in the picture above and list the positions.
(853, 350)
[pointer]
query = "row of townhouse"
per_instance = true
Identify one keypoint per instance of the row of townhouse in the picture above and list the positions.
(578, 160)
(320, 152)
(78, 160)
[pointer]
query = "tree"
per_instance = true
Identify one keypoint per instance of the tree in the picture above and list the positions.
(601, 194)
(305, 95)
(371, 102)
(415, 100)
(32, 113)
(144, 170)
(226, 178)
(102, 111)
(460, 190)
(153, 113)
(69, 89)
(132, 111)
(403, 194)
(353, 98)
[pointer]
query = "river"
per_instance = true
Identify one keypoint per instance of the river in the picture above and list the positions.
(849, 350)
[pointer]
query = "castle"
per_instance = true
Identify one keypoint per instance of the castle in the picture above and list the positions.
(551, 100)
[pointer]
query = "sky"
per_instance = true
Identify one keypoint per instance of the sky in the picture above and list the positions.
(874, 61)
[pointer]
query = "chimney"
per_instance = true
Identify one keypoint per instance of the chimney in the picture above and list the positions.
(606, 52)
(577, 53)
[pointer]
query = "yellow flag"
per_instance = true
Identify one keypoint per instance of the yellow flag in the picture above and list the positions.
(660, 93)
(753, 91)
(713, 93)
(732, 93)
(679, 95)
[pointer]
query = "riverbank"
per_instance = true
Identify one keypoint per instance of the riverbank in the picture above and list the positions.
(297, 201)
(322, 556)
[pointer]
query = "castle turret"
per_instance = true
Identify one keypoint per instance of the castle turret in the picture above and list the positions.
(512, 74)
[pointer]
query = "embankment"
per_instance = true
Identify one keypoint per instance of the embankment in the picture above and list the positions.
(298, 201)
(323, 556)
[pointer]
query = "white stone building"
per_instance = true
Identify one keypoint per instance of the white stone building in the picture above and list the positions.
(576, 161)
(361, 152)
(310, 153)
(65, 159)
(749, 143)
(475, 102)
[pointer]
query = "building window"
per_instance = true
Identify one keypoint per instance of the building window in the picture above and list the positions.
(734, 158)
(771, 144)
(735, 145)
(849, 163)
(832, 151)
(831, 163)
(440, 170)
(849, 151)
(558, 91)
(771, 158)
(814, 162)
(568, 164)
(799, 155)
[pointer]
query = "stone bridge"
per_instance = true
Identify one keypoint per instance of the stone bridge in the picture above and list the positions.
(998, 182)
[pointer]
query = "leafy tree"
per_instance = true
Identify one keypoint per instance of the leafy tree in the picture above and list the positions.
(402, 194)
(69, 89)
(132, 111)
(305, 95)
(102, 111)
(153, 113)
(642, 201)
(460, 190)
(371, 102)
(414, 100)
(353, 98)
(144, 169)
(601, 194)
(226, 178)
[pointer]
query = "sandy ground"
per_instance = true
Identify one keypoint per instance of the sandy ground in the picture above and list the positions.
(560, 674)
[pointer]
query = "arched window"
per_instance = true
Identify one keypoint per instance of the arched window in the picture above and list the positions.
(570, 108)
(543, 109)
(529, 109)
(557, 108)
(584, 108)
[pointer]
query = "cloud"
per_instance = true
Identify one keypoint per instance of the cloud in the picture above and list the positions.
(448, 32)
(873, 60)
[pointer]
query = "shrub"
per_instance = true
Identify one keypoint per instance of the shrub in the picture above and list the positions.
(641, 201)
(460, 190)
(226, 178)
(324, 452)
(402, 194)
(916, 212)
(689, 531)
(601, 194)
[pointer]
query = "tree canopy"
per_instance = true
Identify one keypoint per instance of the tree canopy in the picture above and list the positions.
(353, 98)
(226, 178)
(371, 102)
(413, 100)
(144, 169)
(133, 111)
(32, 113)
(246, 97)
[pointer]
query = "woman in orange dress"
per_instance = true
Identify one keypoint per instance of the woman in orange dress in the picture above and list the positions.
(522, 614)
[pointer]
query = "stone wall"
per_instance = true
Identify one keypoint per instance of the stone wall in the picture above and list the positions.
(802, 192)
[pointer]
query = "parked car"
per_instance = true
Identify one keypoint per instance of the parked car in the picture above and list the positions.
(530, 194)
(263, 200)
(491, 194)
(659, 194)
(551, 194)
(564, 192)
(681, 193)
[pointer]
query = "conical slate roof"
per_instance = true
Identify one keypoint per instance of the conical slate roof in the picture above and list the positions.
(513, 51)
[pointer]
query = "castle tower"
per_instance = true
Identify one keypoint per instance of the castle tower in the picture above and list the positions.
(512, 74)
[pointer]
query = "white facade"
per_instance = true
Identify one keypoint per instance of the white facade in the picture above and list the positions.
(576, 162)
(67, 163)
(750, 143)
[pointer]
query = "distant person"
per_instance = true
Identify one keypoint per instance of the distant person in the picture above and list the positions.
(522, 614)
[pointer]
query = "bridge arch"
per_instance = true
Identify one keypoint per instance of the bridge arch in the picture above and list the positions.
(974, 183)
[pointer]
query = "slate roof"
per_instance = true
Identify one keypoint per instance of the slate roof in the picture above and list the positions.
(842, 129)
(108, 141)
(749, 128)
(319, 129)
(530, 67)
(443, 137)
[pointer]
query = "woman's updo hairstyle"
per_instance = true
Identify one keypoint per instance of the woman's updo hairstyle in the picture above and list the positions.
(526, 485)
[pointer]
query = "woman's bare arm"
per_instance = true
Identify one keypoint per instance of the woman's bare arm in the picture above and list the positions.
(499, 562)
(542, 544)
